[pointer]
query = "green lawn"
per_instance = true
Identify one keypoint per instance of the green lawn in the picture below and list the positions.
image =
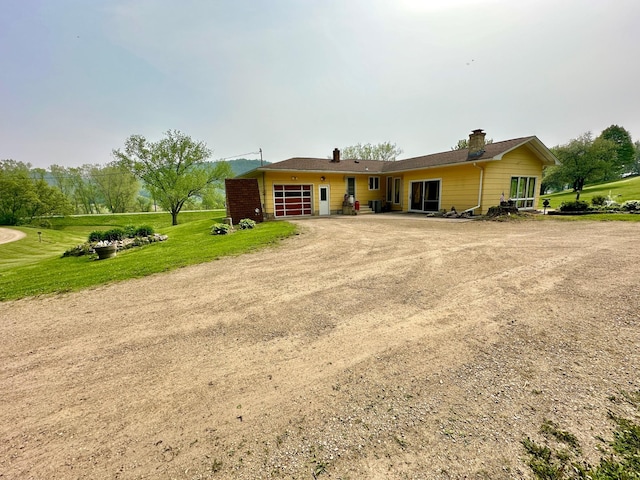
(620, 191)
(33, 266)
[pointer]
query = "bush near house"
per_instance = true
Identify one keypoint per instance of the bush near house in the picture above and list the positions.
(575, 206)
(220, 229)
(246, 224)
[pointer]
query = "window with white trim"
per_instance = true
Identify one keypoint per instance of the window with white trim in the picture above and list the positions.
(389, 189)
(523, 191)
(374, 183)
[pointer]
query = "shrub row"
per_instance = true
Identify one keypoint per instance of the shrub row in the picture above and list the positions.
(575, 206)
(600, 203)
(117, 234)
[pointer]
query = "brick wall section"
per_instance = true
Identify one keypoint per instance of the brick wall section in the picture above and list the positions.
(243, 197)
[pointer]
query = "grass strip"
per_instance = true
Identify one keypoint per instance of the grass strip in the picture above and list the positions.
(30, 267)
(620, 191)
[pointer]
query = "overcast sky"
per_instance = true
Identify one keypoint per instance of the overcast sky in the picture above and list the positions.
(300, 77)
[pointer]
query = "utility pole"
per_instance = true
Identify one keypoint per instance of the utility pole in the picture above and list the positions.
(264, 186)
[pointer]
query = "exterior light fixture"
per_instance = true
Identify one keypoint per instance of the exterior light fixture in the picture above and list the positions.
(322, 178)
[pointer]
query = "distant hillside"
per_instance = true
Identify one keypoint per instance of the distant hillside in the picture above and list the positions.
(242, 165)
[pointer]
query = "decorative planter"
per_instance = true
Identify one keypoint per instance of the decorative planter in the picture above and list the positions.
(108, 251)
(348, 210)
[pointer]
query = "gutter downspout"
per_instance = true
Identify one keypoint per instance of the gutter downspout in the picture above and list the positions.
(479, 190)
(264, 197)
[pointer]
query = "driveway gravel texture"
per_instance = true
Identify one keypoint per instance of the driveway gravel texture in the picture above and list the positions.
(370, 347)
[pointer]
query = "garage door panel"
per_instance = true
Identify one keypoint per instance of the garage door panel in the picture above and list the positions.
(292, 200)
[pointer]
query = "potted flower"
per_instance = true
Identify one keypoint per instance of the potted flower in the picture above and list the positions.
(105, 250)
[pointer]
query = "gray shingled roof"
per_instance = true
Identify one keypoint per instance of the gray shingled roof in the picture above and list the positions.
(326, 165)
(492, 151)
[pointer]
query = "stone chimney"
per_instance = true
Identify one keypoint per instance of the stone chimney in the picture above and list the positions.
(336, 155)
(476, 143)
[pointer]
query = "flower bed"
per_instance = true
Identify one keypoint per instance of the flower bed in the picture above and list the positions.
(89, 248)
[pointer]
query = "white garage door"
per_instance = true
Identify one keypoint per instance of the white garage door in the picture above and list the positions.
(290, 200)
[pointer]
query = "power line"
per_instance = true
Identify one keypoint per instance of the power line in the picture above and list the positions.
(242, 155)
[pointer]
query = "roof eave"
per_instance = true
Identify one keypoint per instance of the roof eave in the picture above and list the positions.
(538, 147)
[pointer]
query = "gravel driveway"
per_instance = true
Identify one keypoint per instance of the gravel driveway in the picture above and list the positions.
(379, 346)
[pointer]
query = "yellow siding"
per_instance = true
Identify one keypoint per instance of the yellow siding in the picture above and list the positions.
(363, 194)
(459, 186)
(520, 162)
(337, 183)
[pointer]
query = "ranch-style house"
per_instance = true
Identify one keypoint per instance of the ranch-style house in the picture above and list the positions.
(471, 180)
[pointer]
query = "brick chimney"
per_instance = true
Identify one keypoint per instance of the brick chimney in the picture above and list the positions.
(476, 143)
(336, 155)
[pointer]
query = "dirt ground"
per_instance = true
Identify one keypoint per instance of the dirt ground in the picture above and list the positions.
(379, 347)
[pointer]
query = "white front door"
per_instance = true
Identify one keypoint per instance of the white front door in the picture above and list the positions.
(324, 200)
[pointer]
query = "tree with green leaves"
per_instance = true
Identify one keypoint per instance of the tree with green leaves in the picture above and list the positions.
(50, 201)
(625, 151)
(212, 198)
(86, 191)
(25, 194)
(584, 160)
(62, 179)
(174, 169)
(117, 186)
(635, 169)
(385, 151)
(16, 191)
(552, 179)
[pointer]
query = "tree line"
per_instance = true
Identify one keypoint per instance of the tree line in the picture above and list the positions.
(173, 173)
